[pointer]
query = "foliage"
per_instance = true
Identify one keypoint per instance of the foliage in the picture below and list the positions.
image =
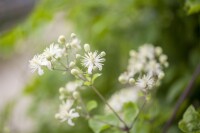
(191, 121)
(192, 6)
(116, 27)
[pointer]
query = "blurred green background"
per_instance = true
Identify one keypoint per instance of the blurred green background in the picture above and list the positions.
(113, 26)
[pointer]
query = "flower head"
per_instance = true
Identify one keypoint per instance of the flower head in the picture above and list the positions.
(66, 113)
(92, 60)
(53, 52)
(121, 97)
(37, 62)
(146, 82)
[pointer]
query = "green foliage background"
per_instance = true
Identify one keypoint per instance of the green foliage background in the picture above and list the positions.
(117, 26)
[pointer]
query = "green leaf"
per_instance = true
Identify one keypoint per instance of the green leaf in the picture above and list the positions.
(91, 105)
(87, 83)
(130, 111)
(100, 123)
(95, 76)
(191, 121)
(192, 6)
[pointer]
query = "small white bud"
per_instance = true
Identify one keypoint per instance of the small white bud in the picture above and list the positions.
(163, 58)
(103, 53)
(166, 64)
(122, 79)
(61, 39)
(131, 81)
(62, 90)
(67, 45)
(73, 35)
(133, 53)
(161, 75)
(74, 72)
(75, 95)
(87, 47)
(72, 64)
(158, 51)
(78, 56)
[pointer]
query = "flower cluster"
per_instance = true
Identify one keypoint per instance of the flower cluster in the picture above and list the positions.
(118, 99)
(70, 52)
(145, 68)
(81, 62)
(69, 96)
(144, 71)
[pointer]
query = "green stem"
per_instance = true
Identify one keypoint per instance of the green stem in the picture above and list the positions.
(140, 110)
(104, 100)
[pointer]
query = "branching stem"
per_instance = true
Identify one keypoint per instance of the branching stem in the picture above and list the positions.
(104, 100)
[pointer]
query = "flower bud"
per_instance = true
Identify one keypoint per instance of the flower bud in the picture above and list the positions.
(103, 53)
(131, 81)
(74, 72)
(87, 47)
(122, 79)
(161, 75)
(163, 58)
(75, 95)
(73, 35)
(72, 64)
(62, 90)
(158, 51)
(132, 53)
(166, 64)
(67, 45)
(61, 39)
(78, 56)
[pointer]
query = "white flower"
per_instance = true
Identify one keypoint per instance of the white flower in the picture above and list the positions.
(37, 62)
(92, 60)
(146, 82)
(53, 52)
(66, 113)
(75, 42)
(73, 85)
(121, 97)
(124, 77)
(147, 50)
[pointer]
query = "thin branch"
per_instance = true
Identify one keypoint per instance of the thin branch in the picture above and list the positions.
(182, 98)
(140, 110)
(104, 100)
(89, 116)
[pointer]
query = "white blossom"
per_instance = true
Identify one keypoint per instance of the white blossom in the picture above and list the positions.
(73, 85)
(147, 51)
(146, 82)
(67, 113)
(145, 67)
(121, 97)
(75, 42)
(37, 62)
(53, 52)
(92, 60)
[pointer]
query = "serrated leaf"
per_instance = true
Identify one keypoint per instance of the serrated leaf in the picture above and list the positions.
(91, 105)
(101, 123)
(95, 76)
(130, 111)
(191, 121)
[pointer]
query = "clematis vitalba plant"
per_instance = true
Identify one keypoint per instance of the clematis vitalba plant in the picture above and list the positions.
(144, 73)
